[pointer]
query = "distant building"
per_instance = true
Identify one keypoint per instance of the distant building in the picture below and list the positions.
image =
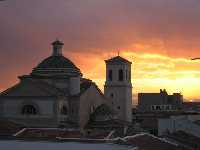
(186, 140)
(186, 123)
(118, 87)
(153, 102)
(191, 106)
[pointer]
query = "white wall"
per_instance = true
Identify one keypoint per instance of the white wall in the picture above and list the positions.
(182, 123)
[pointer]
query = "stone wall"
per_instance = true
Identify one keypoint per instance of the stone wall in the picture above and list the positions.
(46, 110)
(89, 100)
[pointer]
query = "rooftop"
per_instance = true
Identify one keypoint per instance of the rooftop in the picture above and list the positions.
(57, 64)
(35, 87)
(147, 141)
(118, 60)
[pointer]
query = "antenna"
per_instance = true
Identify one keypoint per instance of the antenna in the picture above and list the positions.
(118, 53)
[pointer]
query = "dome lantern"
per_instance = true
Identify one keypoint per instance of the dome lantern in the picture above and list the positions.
(57, 48)
(56, 65)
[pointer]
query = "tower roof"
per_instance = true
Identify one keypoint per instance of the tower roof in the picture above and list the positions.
(118, 60)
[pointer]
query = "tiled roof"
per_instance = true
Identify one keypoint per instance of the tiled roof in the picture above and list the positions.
(185, 139)
(8, 128)
(85, 84)
(112, 123)
(50, 133)
(30, 87)
(37, 87)
(117, 60)
(150, 142)
(98, 134)
(56, 64)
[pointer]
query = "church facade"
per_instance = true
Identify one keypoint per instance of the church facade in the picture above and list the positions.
(55, 94)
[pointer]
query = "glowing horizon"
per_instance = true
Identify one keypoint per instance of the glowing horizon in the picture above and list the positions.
(148, 77)
(160, 46)
(150, 72)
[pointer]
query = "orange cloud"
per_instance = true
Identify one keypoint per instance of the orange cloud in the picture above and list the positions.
(150, 72)
(157, 44)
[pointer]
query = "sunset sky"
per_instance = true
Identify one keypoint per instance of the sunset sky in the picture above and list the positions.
(158, 36)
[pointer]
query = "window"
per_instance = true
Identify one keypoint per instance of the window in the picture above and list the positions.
(110, 74)
(121, 76)
(111, 95)
(152, 107)
(29, 110)
(64, 110)
(158, 107)
(118, 107)
(126, 74)
(167, 107)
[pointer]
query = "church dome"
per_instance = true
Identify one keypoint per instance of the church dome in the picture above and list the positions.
(57, 64)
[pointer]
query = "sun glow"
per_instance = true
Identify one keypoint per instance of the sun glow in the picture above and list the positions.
(150, 72)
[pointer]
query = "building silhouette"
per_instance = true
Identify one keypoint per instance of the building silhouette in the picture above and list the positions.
(118, 87)
(55, 94)
(158, 102)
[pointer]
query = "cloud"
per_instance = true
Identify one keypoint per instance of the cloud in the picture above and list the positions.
(160, 36)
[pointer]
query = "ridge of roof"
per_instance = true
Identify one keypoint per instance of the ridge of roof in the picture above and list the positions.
(44, 88)
(118, 59)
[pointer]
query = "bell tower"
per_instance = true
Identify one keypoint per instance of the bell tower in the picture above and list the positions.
(118, 87)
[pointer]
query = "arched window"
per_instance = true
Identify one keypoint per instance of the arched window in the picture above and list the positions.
(126, 74)
(110, 75)
(64, 110)
(121, 76)
(29, 110)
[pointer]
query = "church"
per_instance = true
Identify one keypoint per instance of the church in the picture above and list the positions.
(55, 94)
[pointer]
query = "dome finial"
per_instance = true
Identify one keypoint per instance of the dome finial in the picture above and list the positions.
(57, 47)
(118, 53)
